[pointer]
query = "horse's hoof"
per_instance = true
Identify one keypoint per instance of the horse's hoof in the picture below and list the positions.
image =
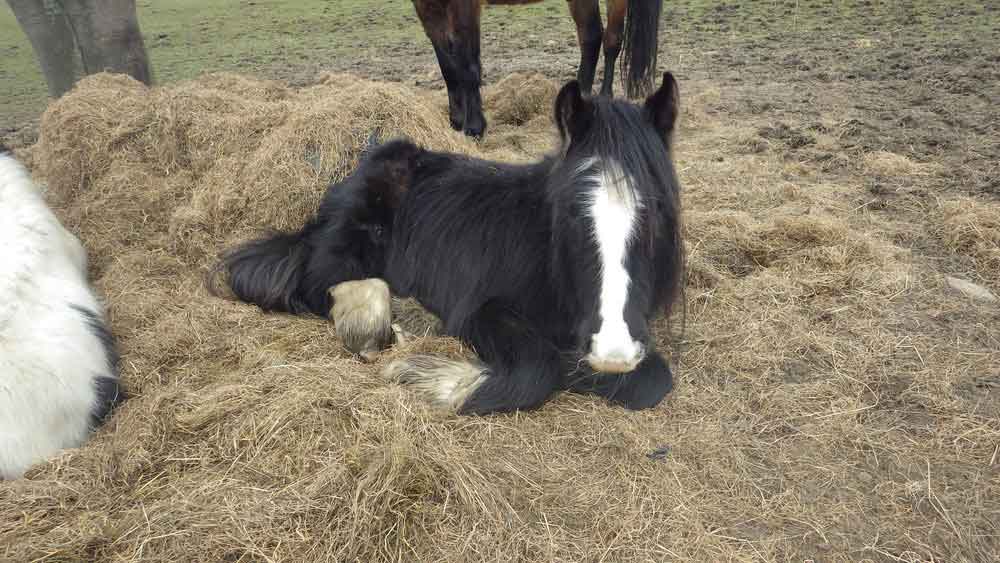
(439, 381)
(362, 316)
(476, 130)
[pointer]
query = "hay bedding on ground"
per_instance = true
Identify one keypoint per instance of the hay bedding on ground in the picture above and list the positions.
(835, 400)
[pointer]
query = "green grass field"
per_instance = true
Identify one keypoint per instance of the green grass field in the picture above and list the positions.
(188, 37)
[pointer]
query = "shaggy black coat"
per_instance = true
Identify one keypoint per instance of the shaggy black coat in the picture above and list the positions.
(503, 253)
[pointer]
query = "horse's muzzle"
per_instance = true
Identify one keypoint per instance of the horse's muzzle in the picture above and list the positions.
(617, 360)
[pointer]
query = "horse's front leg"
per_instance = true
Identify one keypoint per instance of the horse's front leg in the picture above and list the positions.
(453, 28)
(434, 19)
(519, 369)
(362, 316)
(464, 40)
(641, 388)
(587, 16)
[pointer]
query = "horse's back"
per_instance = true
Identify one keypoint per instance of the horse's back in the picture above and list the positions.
(469, 231)
(55, 352)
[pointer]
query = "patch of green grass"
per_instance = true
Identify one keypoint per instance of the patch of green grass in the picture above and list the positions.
(186, 38)
(22, 89)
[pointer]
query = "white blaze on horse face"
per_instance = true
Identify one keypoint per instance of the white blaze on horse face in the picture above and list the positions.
(613, 207)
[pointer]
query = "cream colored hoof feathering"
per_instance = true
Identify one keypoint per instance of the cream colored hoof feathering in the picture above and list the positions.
(362, 316)
(441, 382)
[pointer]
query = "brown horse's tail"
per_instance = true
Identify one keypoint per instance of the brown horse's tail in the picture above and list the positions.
(642, 29)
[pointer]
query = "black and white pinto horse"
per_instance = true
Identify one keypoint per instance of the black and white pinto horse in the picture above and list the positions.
(58, 366)
(550, 271)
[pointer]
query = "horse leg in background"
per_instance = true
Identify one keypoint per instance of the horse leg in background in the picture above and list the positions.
(642, 388)
(587, 15)
(435, 22)
(521, 368)
(613, 42)
(453, 28)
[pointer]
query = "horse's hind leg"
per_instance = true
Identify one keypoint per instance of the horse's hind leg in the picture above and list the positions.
(520, 369)
(587, 15)
(613, 43)
(642, 388)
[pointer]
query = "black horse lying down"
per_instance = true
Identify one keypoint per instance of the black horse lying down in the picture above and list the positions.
(550, 271)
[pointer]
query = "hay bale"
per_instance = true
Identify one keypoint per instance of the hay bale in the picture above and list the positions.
(518, 98)
(971, 227)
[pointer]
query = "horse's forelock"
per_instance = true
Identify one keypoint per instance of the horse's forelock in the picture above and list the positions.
(623, 140)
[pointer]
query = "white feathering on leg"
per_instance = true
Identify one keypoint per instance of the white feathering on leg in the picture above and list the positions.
(362, 315)
(441, 382)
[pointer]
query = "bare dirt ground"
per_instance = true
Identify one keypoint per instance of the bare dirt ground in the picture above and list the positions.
(837, 399)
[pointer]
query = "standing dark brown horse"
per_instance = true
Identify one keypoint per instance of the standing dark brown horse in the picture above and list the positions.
(453, 28)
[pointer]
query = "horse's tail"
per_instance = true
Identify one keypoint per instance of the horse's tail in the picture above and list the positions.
(642, 29)
(268, 272)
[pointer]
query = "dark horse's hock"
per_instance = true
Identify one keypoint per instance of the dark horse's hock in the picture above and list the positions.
(550, 271)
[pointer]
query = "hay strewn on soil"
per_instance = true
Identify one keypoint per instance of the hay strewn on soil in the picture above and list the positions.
(821, 410)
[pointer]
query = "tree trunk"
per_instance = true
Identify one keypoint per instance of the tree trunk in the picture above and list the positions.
(107, 33)
(51, 37)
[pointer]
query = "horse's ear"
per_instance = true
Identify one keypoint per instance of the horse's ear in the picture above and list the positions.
(572, 111)
(663, 105)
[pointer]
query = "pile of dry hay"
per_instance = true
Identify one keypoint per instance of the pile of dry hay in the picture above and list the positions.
(816, 412)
